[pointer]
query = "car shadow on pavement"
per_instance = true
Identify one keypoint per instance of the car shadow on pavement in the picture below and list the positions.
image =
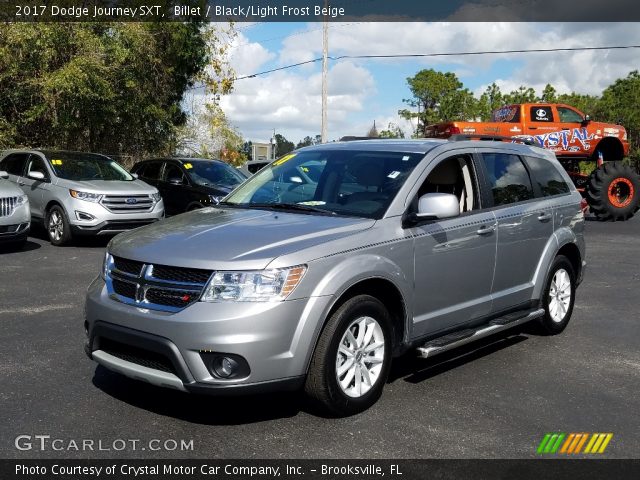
(91, 241)
(413, 369)
(200, 409)
(28, 247)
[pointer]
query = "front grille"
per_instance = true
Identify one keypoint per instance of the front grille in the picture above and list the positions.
(190, 275)
(127, 203)
(8, 206)
(126, 289)
(128, 266)
(136, 355)
(157, 287)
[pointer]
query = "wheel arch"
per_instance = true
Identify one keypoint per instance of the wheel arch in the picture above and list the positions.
(563, 242)
(611, 149)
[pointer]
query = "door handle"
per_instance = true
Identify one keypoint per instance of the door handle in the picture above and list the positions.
(486, 230)
(543, 216)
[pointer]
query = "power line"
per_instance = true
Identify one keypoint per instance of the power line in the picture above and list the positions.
(449, 54)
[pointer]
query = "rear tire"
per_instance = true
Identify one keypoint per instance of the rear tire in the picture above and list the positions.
(558, 296)
(351, 361)
(613, 192)
(57, 225)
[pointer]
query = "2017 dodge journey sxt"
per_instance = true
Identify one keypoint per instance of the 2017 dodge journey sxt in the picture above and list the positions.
(327, 263)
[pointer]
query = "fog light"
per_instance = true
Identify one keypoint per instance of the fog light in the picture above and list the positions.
(84, 216)
(224, 367)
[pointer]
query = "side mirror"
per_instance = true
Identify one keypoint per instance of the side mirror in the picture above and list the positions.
(36, 175)
(135, 176)
(3, 174)
(434, 206)
(586, 119)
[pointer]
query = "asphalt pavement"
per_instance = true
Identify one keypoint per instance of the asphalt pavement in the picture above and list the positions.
(495, 399)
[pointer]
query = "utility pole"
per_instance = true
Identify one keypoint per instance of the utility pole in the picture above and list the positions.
(325, 60)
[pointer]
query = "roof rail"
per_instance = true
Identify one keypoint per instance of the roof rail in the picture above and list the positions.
(491, 138)
(351, 138)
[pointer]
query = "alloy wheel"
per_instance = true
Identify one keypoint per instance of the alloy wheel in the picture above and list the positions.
(559, 295)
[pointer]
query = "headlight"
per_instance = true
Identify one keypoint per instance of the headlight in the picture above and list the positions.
(156, 197)
(22, 199)
(105, 265)
(89, 197)
(253, 286)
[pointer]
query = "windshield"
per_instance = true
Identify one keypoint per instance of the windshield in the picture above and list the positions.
(86, 166)
(353, 183)
(209, 173)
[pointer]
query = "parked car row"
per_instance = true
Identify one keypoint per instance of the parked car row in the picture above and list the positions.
(73, 193)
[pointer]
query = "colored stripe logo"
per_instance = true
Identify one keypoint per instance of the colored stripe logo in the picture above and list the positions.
(574, 443)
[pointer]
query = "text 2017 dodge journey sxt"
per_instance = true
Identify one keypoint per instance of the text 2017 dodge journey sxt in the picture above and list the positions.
(327, 263)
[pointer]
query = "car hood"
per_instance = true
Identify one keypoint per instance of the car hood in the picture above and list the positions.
(8, 189)
(231, 238)
(109, 187)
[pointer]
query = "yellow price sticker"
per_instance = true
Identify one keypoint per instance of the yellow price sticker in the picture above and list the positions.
(188, 166)
(286, 158)
(56, 162)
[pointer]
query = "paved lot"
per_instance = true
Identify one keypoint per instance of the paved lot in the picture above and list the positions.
(492, 400)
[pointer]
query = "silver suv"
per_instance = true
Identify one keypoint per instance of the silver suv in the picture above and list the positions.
(15, 219)
(76, 193)
(324, 265)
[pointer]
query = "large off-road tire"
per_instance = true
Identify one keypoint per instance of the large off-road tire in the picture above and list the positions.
(351, 361)
(558, 296)
(613, 191)
(57, 225)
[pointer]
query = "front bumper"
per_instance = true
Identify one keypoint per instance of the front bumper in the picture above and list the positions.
(16, 226)
(88, 218)
(171, 350)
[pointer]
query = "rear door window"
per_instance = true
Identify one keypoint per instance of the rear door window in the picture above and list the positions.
(14, 164)
(151, 170)
(546, 177)
(508, 178)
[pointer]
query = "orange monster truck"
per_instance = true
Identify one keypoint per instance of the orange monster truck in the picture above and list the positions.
(612, 190)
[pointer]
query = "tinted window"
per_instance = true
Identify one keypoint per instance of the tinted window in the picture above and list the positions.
(353, 182)
(36, 164)
(150, 170)
(207, 173)
(546, 175)
(508, 178)
(508, 114)
(86, 166)
(173, 172)
(14, 164)
(568, 115)
(541, 114)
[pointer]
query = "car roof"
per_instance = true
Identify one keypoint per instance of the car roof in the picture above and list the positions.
(182, 160)
(419, 145)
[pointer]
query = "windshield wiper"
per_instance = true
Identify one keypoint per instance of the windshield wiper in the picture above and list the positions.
(288, 206)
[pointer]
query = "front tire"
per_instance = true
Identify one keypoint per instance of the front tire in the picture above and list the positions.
(352, 358)
(58, 229)
(559, 296)
(613, 191)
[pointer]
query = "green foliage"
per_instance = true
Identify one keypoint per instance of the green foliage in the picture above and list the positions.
(115, 88)
(392, 131)
(283, 146)
(521, 95)
(308, 141)
(437, 96)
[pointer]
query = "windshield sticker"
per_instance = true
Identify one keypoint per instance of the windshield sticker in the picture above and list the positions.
(406, 158)
(312, 203)
(393, 174)
(284, 159)
(188, 166)
(56, 162)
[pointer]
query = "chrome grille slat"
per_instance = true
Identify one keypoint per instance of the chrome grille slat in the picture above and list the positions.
(119, 203)
(8, 206)
(147, 291)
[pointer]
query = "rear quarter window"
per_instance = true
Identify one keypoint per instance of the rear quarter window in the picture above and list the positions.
(546, 176)
(508, 178)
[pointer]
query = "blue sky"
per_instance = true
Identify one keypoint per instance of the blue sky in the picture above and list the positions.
(361, 91)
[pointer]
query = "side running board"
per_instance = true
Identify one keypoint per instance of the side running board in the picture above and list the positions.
(457, 339)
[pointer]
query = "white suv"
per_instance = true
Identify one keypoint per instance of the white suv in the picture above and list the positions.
(76, 193)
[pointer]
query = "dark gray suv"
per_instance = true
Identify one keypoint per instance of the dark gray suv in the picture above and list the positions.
(329, 262)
